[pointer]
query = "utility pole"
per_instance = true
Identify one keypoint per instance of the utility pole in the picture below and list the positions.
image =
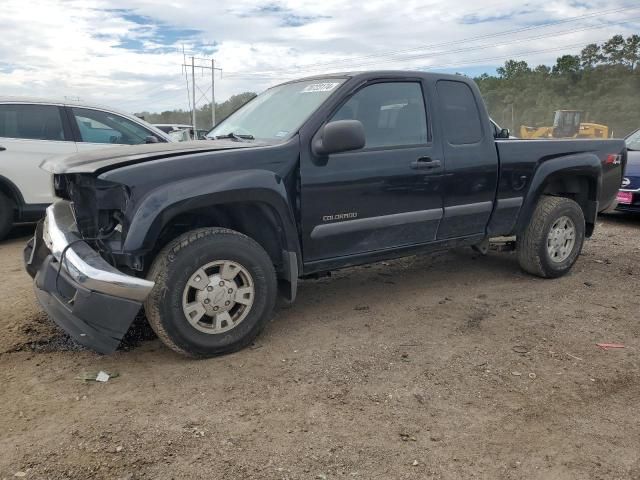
(195, 63)
(193, 90)
(213, 93)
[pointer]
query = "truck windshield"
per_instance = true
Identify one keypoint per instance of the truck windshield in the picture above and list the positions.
(277, 113)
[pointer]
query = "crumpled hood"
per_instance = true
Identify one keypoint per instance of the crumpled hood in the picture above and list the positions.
(106, 158)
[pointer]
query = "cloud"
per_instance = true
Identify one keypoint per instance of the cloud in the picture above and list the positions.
(287, 17)
(128, 53)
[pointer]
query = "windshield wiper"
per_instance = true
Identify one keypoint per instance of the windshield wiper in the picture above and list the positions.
(235, 136)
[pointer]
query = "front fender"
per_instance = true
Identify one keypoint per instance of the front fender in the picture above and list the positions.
(162, 204)
(580, 164)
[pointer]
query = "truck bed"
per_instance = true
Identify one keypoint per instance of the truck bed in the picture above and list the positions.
(520, 160)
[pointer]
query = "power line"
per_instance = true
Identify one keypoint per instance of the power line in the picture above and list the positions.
(436, 54)
(482, 37)
(483, 46)
(395, 53)
(488, 59)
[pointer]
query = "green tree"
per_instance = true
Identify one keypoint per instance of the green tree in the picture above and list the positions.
(513, 69)
(542, 70)
(632, 51)
(599, 81)
(567, 65)
(613, 49)
(591, 55)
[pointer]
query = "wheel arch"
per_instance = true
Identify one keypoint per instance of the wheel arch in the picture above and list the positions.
(576, 176)
(8, 188)
(256, 204)
(258, 220)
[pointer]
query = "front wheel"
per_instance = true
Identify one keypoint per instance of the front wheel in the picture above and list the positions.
(551, 243)
(214, 292)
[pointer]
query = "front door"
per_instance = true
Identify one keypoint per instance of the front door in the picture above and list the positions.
(383, 196)
(99, 129)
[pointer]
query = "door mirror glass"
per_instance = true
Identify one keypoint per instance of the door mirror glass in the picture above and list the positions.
(504, 133)
(339, 136)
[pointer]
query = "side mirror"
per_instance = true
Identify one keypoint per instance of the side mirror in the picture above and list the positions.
(504, 133)
(150, 139)
(339, 136)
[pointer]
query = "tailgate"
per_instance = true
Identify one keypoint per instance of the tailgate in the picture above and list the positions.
(614, 161)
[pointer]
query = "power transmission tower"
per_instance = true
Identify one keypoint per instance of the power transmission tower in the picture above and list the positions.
(190, 68)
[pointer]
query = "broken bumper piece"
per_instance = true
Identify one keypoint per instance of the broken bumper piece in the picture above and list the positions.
(91, 300)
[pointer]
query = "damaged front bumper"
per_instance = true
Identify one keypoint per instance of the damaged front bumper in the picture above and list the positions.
(91, 300)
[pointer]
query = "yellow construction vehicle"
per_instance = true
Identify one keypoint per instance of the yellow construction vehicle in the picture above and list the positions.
(566, 124)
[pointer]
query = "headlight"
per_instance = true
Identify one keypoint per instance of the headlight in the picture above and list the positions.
(98, 205)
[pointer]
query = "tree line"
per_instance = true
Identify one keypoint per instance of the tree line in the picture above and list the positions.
(603, 81)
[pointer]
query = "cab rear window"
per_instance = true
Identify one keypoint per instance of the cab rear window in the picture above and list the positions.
(460, 115)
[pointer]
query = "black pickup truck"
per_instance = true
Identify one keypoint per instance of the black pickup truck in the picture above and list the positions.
(310, 176)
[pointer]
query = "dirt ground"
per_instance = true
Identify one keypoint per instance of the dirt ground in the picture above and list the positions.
(446, 367)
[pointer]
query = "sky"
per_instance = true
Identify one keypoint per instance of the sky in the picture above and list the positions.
(128, 54)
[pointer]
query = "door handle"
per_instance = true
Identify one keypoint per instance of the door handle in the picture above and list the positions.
(425, 163)
(2, 149)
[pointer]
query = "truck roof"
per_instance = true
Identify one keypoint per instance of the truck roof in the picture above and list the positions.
(379, 73)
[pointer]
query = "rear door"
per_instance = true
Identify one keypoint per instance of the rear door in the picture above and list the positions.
(29, 133)
(471, 172)
(384, 196)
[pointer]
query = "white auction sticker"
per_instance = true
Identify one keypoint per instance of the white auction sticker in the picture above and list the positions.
(320, 87)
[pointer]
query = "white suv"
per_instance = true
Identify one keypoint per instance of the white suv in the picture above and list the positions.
(34, 129)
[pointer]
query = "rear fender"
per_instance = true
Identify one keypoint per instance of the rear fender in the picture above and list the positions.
(575, 165)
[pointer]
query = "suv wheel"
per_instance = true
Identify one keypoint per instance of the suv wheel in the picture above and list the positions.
(552, 241)
(215, 290)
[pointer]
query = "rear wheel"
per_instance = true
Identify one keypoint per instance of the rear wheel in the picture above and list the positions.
(552, 241)
(214, 292)
(6, 215)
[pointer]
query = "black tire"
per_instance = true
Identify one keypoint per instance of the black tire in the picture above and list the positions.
(531, 245)
(172, 269)
(6, 215)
